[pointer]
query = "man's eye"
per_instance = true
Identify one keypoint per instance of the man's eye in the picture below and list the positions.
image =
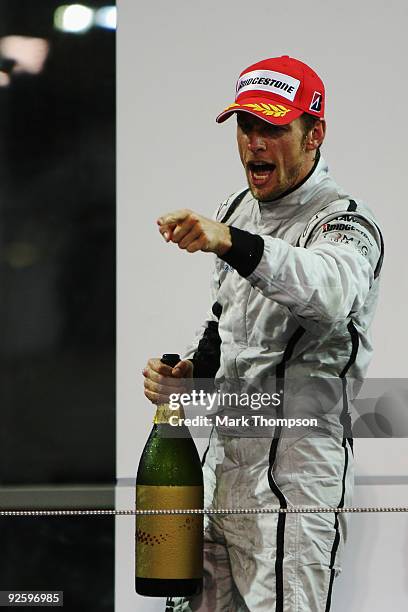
(276, 130)
(267, 130)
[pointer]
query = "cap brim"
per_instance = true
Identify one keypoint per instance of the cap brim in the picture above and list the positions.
(264, 108)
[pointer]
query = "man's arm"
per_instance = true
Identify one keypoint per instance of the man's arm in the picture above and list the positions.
(327, 280)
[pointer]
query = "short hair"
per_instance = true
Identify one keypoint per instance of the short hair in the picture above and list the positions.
(308, 122)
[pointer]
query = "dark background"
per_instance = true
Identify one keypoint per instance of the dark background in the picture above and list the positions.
(57, 302)
(57, 256)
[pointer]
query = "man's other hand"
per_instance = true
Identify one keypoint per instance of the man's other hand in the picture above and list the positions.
(162, 380)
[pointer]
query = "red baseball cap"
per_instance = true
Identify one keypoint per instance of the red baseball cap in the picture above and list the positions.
(277, 90)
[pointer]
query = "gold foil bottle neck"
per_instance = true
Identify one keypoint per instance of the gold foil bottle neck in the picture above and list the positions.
(164, 412)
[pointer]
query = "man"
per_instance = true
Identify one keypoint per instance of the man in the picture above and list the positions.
(294, 293)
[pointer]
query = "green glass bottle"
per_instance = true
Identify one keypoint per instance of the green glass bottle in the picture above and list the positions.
(169, 548)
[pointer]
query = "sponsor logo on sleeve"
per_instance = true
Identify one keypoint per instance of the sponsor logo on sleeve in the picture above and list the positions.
(341, 238)
(351, 218)
(334, 237)
(316, 103)
(271, 81)
(331, 227)
(345, 227)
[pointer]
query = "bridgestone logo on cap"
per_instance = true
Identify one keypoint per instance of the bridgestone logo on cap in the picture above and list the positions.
(268, 80)
(316, 103)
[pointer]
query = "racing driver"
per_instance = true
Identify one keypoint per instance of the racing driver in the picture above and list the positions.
(294, 292)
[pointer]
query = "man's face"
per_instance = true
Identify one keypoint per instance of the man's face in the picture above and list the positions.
(274, 157)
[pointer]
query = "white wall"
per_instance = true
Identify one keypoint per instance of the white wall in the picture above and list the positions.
(177, 66)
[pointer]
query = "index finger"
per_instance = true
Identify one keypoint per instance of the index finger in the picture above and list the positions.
(176, 216)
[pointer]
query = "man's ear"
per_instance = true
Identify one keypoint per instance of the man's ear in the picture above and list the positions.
(316, 135)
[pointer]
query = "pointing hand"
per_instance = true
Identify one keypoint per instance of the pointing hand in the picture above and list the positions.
(194, 232)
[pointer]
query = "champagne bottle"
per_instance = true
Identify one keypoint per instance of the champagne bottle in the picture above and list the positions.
(169, 548)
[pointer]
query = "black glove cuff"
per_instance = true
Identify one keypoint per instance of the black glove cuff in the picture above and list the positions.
(246, 251)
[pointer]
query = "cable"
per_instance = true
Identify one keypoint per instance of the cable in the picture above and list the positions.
(208, 511)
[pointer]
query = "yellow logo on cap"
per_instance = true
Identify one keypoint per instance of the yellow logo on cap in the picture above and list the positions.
(270, 110)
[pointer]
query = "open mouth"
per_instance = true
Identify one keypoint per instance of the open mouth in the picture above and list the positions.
(260, 172)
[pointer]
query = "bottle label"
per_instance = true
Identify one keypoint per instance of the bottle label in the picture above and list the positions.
(169, 546)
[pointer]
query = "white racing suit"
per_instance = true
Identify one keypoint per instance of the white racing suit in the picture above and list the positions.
(293, 299)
